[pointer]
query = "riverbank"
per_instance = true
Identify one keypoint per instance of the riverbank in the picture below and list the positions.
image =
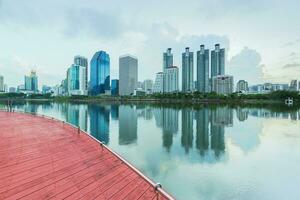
(275, 98)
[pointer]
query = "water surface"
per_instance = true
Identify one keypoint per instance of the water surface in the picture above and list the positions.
(208, 152)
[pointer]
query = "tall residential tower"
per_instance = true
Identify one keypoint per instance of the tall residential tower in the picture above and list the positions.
(217, 61)
(203, 70)
(187, 70)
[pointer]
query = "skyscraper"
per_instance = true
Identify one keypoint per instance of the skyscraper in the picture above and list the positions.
(167, 59)
(158, 84)
(187, 70)
(171, 79)
(203, 70)
(128, 74)
(1, 83)
(82, 61)
(147, 86)
(115, 87)
(217, 61)
(31, 82)
(76, 80)
(100, 73)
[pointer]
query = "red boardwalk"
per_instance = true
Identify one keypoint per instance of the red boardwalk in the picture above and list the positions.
(42, 158)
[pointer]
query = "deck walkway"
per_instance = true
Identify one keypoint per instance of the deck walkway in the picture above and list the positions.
(41, 158)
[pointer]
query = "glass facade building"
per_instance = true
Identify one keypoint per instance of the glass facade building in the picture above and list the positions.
(187, 70)
(115, 87)
(100, 73)
(82, 61)
(203, 70)
(217, 61)
(31, 82)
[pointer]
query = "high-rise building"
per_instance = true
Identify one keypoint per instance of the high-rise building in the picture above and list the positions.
(82, 61)
(167, 59)
(242, 86)
(294, 85)
(203, 70)
(115, 87)
(76, 80)
(100, 73)
(31, 82)
(128, 74)
(12, 90)
(148, 86)
(222, 84)
(217, 61)
(187, 70)
(171, 79)
(158, 84)
(1, 83)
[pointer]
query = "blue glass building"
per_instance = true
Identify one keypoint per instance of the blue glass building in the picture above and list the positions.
(115, 87)
(100, 73)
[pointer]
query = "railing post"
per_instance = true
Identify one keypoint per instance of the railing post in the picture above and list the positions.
(78, 129)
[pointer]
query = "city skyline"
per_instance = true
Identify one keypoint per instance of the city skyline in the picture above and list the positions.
(267, 50)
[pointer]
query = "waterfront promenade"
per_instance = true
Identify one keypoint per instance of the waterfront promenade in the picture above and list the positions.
(43, 158)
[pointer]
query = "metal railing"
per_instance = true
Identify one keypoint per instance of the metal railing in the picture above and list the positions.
(157, 186)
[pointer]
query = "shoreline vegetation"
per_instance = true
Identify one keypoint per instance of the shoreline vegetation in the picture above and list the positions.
(277, 97)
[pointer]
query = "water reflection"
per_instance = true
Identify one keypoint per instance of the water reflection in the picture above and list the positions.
(202, 129)
(99, 122)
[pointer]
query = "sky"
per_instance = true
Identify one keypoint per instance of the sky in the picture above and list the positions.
(261, 37)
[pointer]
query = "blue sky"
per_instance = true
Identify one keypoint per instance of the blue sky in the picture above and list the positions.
(261, 37)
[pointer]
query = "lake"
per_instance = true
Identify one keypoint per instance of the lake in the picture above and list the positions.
(203, 152)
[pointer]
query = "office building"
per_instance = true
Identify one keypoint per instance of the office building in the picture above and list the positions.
(31, 82)
(100, 73)
(187, 70)
(82, 61)
(217, 61)
(171, 79)
(12, 90)
(294, 85)
(202, 83)
(128, 74)
(147, 86)
(115, 87)
(2, 84)
(76, 80)
(158, 84)
(242, 86)
(167, 59)
(222, 84)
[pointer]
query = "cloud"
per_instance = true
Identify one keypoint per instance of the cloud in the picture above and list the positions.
(291, 65)
(246, 65)
(291, 43)
(92, 22)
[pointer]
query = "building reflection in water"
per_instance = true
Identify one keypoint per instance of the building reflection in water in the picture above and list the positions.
(242, 114)
(76, 115)
(114, 112)
(99, 122)
(202, 130)
(187, 129)
(127, 124)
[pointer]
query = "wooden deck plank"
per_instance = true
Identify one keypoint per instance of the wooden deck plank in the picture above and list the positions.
(41, 158)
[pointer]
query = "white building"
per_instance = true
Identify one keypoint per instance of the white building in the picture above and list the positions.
(223, 84)
(171, 80)
(158, 84)
(76, 80)
(242, 86)
(128, 74)
(147, 86)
